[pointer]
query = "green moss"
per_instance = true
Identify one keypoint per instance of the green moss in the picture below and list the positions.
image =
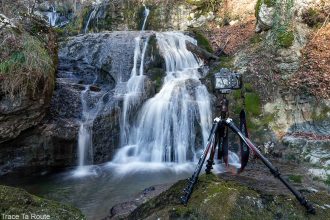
(252, 103)
(285, 37)
(157, 76)
(248, 87)
(14, 201)
(296, 178)
(214, 198)
(202, 41)
(269, 3)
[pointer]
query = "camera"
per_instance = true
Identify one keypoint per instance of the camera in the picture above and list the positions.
(226, 80)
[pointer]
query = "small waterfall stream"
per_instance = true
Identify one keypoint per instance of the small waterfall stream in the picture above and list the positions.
(135, 84)
(85, 135)
(91, 16)
(52, 16)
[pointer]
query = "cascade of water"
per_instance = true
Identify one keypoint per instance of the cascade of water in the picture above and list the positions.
(146, 14)
(91, 16)
(167, 125)
(135, 84)
(85, 144)
(52, 16)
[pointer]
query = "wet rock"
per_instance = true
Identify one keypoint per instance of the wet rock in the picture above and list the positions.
(122, 210)
(24, 100)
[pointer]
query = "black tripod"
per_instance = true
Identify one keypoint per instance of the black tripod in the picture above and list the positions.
(219, 136)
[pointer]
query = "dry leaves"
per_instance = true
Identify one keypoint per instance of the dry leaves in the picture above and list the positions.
(314, 75)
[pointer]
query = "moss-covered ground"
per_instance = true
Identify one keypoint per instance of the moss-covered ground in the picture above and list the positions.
(15, 201)
(215, 198)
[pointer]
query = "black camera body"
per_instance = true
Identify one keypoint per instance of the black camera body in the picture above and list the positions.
(226, 80)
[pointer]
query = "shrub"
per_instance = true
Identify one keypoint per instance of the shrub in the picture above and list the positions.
(313, 17)
(285, 37)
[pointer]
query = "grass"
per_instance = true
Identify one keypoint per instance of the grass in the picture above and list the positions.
(24, 62)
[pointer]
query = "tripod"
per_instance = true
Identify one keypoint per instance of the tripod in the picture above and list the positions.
(219, 136)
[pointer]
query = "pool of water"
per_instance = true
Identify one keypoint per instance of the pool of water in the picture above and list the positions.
(95, 189)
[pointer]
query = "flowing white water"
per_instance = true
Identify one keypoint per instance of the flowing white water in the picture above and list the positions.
(91, 16)
(135, 84)
(85, 135)
(146, 14)
(168, 125)
(52, 16)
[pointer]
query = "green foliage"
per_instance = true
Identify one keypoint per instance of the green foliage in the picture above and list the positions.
(202, 41)
(17, 58)
(313, 17)
(25, 65)
(285, 37)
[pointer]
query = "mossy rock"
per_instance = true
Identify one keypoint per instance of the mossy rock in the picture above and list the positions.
(15, 201)
(269, 3)
(285, 37)
(202, 41)
(214, 198)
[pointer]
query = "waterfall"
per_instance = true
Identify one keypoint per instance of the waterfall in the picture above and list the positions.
(91, 16)
(146, 14)
(168, 124)
(85, 135)
(52, 17)
(135, 84)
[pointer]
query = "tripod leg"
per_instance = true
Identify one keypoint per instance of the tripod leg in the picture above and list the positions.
(272, 169)
(210, 161)
(192, 181)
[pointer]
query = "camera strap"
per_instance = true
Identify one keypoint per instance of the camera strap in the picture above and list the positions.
(244, 149)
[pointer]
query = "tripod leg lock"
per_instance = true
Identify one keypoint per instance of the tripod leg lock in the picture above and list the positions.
(275, 172)
(209, 166)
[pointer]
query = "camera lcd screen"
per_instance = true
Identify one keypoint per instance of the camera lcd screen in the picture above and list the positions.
(222, 83)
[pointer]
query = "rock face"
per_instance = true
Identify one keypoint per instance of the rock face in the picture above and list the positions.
(14, 201)
(102, 62)
(265, 18)
(20, 107)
